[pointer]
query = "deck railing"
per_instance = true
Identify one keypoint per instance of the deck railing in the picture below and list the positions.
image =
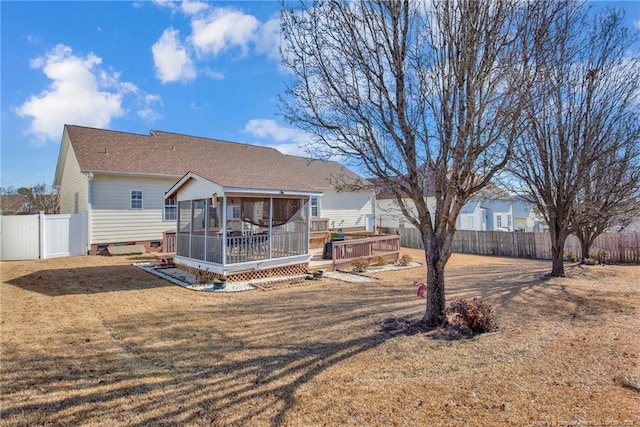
(241, 249)
(346, 251)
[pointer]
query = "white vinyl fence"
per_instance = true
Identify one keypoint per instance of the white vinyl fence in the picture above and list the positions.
(42, 236)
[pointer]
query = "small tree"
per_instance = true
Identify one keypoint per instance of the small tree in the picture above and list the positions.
(34, 199)
(610, 195)
(44, 199)
(581, 110)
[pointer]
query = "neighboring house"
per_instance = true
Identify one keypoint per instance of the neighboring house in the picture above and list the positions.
(492, 209)
(121, 179)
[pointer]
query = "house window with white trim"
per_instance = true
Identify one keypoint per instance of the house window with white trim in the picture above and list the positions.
(170, 209)
(315, 207)
(233, 212)
(136, 199)
(509, 224)
(498, 221)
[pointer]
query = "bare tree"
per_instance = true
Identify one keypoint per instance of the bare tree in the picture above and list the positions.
(413, 94)
(45, 199)
(581, 110)
(11, 203)
(34, 199)
(610, 195)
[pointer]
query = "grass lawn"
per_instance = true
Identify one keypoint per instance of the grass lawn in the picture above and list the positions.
(95, 341)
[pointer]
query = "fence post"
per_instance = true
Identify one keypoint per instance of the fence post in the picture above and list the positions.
(41, 224)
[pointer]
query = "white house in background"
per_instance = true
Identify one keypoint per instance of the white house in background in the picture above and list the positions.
(495, 210)
(490, 210)
(120, 180)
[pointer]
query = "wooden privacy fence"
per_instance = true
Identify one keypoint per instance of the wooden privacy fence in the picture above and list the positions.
(618, 247)
(346, 251)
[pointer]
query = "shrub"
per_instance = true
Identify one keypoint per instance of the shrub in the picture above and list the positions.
(590, 261)
(379, 261)
(476, 315)
(405, 260)
(360, 265)
(571, 257)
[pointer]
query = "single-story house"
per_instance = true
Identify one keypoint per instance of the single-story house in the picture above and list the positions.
(120, 179)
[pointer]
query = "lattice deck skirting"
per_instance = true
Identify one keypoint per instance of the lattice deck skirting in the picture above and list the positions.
(290, 270)
(247, 276)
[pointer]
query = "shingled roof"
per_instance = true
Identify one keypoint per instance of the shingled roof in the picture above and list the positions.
(229, 164)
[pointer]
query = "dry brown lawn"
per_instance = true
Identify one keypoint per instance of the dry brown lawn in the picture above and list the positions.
(95, 341)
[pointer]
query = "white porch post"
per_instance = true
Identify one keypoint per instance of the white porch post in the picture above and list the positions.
(190, 225)
(308, 223)
(224, 229)
(206, 227)
(270, 239)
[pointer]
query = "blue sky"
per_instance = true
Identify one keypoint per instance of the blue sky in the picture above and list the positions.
(205, 69)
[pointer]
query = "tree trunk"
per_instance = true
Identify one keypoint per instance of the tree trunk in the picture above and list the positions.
(557, 255)
(585, 248)
(435, 314)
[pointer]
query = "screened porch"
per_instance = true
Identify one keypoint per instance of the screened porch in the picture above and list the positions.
(235, 230)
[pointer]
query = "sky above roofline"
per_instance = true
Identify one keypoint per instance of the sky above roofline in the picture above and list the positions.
(203, 69)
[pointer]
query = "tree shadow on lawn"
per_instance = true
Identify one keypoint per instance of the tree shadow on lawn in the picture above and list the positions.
(88, 280)
(199, 366)
(234, 361)
(532, 290)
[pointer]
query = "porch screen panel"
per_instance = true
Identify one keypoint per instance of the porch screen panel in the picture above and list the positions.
(255, 213)
(289, 227)
(184, 216)
(184, 228)
(213, 215)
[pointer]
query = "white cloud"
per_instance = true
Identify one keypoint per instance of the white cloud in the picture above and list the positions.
(267, 38)
(193, 7)
(167, 4)
(214, 30)
(636, 24)
(223, 29)
(147, 112)
(215, 75)
(171, 59)
(78, 94)
(295, 140)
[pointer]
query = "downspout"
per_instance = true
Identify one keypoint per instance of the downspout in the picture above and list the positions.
(89, 197)
(373, 211)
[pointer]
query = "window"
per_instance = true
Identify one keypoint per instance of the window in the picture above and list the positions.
(170, 209)
(233, 212)
(509, 221)
(499, 221)
(136, 199)
(315, 207)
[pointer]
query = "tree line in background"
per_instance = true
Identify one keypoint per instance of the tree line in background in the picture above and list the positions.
(29, 200)
(446, 97)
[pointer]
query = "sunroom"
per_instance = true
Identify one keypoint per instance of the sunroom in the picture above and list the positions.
(226, 231)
